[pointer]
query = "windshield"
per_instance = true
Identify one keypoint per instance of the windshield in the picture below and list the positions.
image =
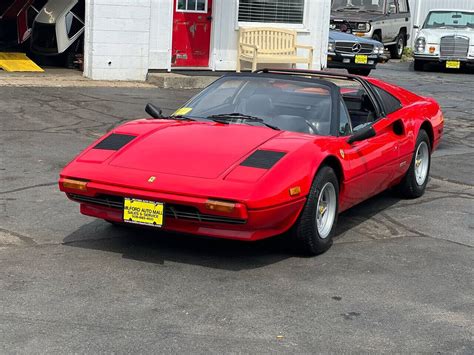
(291, 105)
(358, 5)
(449, 19)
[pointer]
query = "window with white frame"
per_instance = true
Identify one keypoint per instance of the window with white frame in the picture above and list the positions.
(191, 5)
(271, 11)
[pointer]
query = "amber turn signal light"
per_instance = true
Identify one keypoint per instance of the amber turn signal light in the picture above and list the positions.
(220, 206)
(295, 191)
(432, 50)
(75, 184)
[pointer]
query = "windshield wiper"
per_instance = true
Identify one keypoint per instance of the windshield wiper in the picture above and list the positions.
(179, 118)
(227, 117)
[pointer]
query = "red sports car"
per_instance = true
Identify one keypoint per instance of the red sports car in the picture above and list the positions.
(259, 154)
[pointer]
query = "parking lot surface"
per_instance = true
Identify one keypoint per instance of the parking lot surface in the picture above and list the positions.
(399, 277)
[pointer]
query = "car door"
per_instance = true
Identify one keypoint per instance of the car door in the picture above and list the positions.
(370, 163)
(390, 30)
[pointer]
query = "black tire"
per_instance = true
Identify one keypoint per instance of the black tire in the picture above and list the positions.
(396, 50)
(305, 231)
(363, 72)
(115, 224)
(376, 37)
(418, 65)
(69, 59)
(409, 187)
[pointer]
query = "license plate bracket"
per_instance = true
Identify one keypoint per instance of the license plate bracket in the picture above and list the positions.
(147, 213)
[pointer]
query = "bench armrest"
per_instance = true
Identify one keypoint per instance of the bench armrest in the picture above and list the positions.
(249, 46)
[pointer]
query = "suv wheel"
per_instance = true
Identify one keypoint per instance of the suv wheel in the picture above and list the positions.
(376, 37)
(396, 51)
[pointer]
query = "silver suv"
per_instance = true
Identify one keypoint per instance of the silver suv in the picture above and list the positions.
(386, 21)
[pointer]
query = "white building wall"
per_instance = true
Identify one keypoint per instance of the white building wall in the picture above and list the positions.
(126, 38)
(117, 39)
(161, 26)
(225, 28)
(420, 8)
(224, 38)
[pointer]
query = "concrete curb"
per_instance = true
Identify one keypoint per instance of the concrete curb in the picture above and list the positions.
(179, 81)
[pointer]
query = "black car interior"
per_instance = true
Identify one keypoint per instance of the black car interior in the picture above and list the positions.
(297, 107)
(360, 107)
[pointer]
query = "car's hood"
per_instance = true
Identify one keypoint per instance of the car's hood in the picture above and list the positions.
(354, 16)
(433, 35)
(54, 9)
(192, 149)
(343, 36)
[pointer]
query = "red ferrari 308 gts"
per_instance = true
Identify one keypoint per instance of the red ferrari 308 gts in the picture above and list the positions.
(259, 154)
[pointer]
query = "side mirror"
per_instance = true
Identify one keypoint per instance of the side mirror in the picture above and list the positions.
(153, 111)
(392, 9)
(362, 134)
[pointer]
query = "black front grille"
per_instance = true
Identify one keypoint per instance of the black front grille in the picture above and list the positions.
(348, 48)
(175, 211)
(454, 47)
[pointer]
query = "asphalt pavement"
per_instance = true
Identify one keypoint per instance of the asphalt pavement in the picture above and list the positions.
(399, 277)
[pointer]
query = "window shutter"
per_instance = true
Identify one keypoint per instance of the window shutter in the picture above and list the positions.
(271, 11)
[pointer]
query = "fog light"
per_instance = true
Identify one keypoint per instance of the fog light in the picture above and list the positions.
(75, 184)
(371, 62)
(346, 60)
(220, 206)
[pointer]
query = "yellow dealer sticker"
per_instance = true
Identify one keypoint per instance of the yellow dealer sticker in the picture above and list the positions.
(360, 59)
(453, 64)
(149, 213)
(182, 111)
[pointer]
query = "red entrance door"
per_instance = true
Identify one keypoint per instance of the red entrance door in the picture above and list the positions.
(191, 33)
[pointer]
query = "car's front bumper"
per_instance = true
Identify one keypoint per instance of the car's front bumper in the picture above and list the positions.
(188, 214)
(437, 58)
(347, 61)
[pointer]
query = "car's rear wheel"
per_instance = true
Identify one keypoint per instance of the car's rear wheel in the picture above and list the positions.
(363, 72)
(414, 183)
(418, 65)
(396, 51)
(315, 227)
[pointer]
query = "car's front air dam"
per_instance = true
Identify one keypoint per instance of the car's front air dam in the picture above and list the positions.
(261, 224)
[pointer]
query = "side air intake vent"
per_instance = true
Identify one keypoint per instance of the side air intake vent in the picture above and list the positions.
(115, 141)
(263, 159)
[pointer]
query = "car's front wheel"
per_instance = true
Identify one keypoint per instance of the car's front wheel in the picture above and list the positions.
(414, 183)
(418, 65)
(315, 227)
(363, 72)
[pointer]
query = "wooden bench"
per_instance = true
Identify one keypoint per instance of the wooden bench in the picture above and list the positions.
(270, 45)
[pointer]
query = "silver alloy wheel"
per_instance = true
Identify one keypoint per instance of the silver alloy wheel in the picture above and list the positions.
(326, 210)
(400, 46)
(422, 160)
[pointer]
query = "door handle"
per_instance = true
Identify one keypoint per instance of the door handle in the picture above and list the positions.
(209, 18)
